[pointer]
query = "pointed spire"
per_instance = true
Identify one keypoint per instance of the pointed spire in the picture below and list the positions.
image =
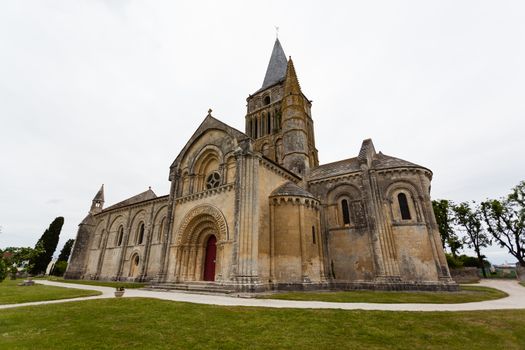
(98, 201)
(276, 70)
(100, 194)
(291, 84)
(367, 152)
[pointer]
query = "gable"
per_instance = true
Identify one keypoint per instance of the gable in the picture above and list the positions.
(212, 132)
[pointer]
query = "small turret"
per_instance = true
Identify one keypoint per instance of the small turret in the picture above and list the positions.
(98, 201)
(295, 129)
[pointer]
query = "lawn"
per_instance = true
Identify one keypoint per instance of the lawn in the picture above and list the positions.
(465, 295)
(522, 283)
(156, 324)
(127, 285)
(11, 293)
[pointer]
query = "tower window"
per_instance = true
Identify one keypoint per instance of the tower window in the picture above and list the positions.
(266, 100)
(403, 206)
(213, 180)
(313, 234)
(269, 122)
(346, 212)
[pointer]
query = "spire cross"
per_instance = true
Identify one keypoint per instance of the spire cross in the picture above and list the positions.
(276, 32)
(209, 112)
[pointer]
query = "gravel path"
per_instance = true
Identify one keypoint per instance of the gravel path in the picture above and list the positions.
(515, 300)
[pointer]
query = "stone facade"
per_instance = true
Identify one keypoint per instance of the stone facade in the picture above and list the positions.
(255, 211)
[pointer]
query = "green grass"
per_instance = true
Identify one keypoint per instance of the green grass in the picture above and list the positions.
(127, 285)
(131, 323)
(522, 283)
(11, 293)
(465, 295)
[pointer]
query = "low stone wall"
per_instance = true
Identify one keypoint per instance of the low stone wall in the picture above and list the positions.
(465, 275)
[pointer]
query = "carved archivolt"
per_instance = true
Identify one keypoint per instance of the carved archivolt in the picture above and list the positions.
(203, 218)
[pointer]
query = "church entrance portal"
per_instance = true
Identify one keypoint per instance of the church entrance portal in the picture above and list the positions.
(209, 262)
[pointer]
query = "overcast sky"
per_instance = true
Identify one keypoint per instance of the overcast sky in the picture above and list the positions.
(96, 92)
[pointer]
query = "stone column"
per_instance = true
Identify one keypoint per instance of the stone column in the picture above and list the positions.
(168, 228)
(320, 245)
(103, 247)
(433, 230)
(247, 219)
(147, 247)
(124, 246)
(302, 232)
(382, 240)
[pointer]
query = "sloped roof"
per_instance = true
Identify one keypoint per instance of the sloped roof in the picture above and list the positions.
(380, 161)
(340, 167)
(291, 189)
(144, 196)
(276, 70)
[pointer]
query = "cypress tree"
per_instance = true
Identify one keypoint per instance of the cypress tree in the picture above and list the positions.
(66, 250)
(48, 242)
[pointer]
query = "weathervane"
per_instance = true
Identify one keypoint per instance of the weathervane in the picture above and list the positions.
(276, 32)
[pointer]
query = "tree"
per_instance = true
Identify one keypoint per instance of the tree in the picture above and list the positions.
(48, 242)
(21, 256)
(444, 219)
(3, 268)
(66, 250)
(505, 219)
(470, 220)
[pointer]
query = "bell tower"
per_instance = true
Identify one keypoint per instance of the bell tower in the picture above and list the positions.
(279, 118)
(97, 203)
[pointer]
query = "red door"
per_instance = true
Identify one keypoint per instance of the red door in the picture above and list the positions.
(209, 262)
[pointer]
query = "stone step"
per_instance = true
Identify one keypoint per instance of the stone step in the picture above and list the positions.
(197, 286)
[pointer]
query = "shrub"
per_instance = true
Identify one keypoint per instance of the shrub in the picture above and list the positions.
(60, 268)
(13, 271)
(452, 262)
(3, 270)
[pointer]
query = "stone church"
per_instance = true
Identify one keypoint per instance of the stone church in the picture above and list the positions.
(254, 210)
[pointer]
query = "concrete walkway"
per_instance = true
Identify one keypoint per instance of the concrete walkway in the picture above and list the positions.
(515, 300)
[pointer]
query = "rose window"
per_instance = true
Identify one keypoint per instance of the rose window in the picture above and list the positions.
(213, 180)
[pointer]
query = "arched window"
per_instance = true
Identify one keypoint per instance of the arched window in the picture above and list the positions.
(213, 180)
(269, 123)
(265, 150)
(120, 234)
(346, 212)
(161, 230)
(266, 100)
(277, 120)
(134, 268)
(140, 237)
(263, 124)
(255, 131)
(403, 206)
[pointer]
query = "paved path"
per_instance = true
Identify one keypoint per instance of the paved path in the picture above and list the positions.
(515, 300)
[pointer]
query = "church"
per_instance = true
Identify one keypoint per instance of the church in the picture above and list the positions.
(253, 211)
